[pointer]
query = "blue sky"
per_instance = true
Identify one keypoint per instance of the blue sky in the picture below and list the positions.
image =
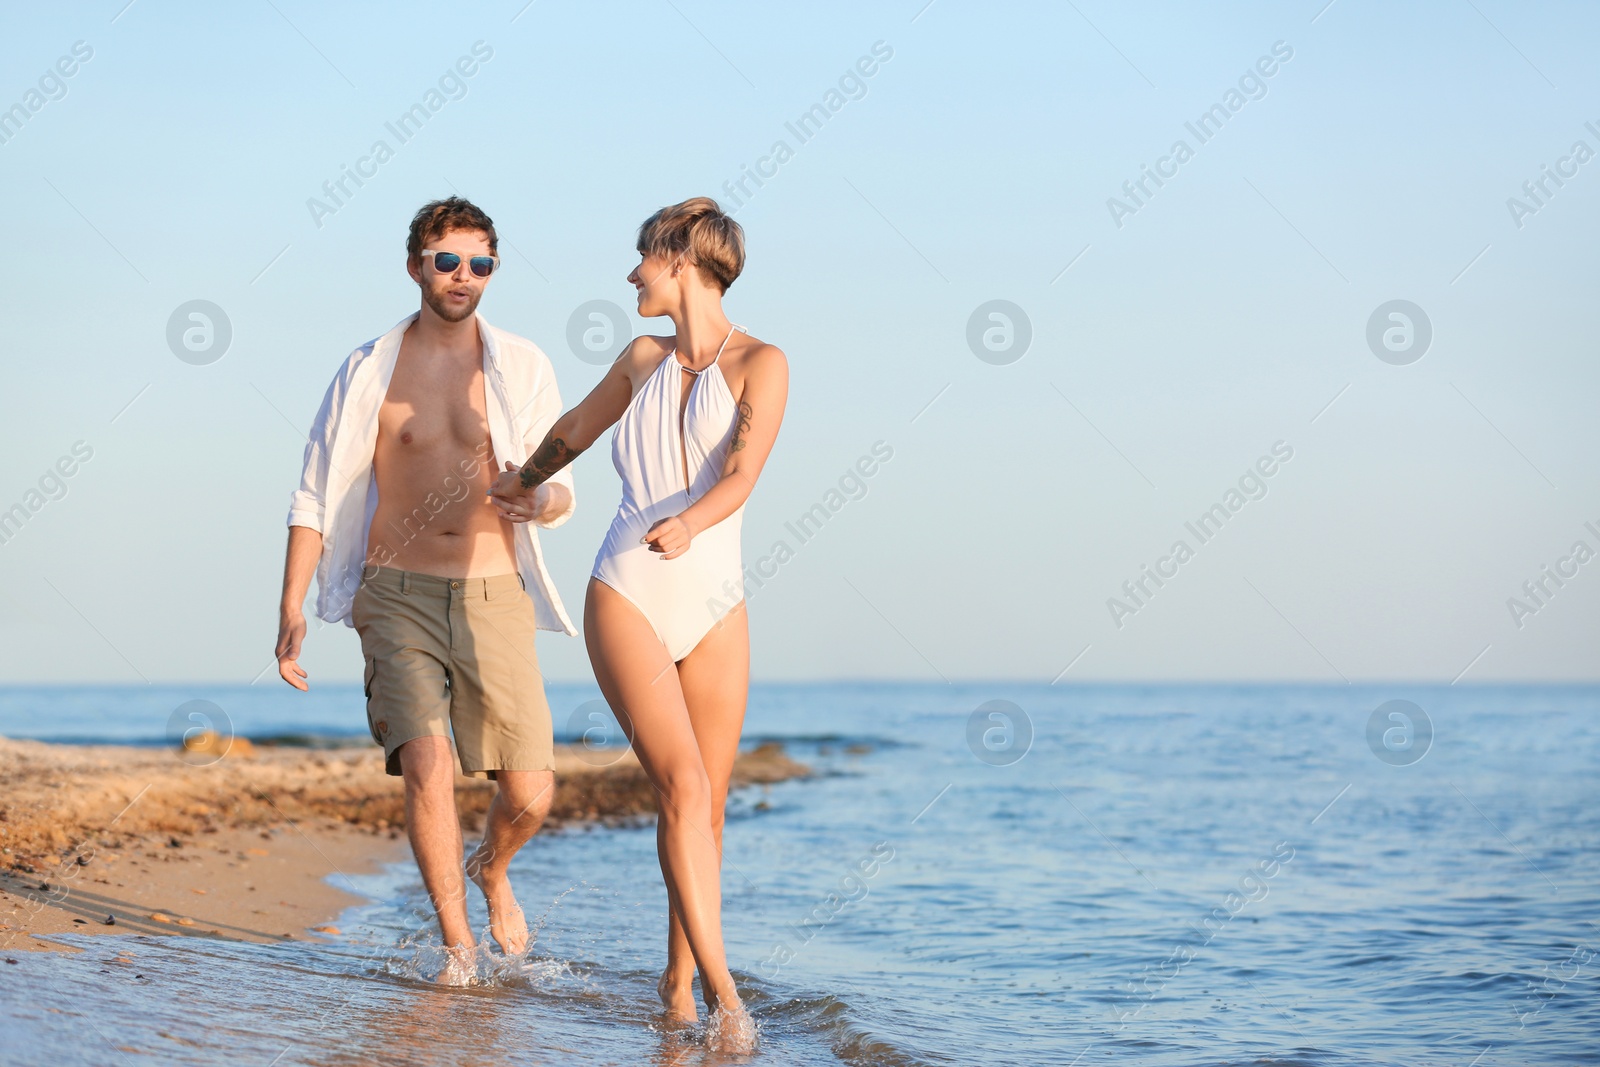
(1168, 354)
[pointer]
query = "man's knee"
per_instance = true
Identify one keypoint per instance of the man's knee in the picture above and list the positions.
(526, 792)
(427, 765)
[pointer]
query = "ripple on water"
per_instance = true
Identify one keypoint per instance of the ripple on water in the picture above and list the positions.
(1030, 915)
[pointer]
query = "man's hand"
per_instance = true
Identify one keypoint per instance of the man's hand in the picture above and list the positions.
(670, 537)
(291, 632)
(512, 501)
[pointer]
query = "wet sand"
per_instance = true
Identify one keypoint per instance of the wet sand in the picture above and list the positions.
(241, 846)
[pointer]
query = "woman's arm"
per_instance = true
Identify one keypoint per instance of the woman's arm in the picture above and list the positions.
(568, 438)
(556, 498)
(761, 403)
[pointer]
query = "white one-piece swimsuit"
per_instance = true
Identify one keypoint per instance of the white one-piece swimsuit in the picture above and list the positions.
(682, 598)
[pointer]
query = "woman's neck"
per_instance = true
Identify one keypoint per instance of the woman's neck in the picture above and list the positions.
(700, 331)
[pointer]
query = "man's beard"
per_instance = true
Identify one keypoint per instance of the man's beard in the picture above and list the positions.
(435, 300)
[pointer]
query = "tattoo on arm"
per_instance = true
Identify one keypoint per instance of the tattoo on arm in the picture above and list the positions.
(741, 428)
(548, 458)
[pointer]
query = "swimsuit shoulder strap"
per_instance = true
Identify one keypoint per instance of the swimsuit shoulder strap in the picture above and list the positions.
(725, 340)
(673, 355)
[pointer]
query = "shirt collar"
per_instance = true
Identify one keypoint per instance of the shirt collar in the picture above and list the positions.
(490, 345)
(387, 347)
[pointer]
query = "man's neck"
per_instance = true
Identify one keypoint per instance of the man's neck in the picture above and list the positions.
(433, 334)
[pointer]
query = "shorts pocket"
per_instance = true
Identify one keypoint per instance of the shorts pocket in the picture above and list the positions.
(368, 675)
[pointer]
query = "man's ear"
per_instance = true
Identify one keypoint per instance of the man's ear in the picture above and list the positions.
(414, 268)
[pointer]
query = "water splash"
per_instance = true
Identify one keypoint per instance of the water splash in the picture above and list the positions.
(483, 966)
(420, 955)
(731, 1031)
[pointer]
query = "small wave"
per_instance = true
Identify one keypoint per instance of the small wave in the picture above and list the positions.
(866, 742)
(1367, 961)
(829, 1018)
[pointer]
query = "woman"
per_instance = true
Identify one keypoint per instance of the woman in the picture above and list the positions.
(696, 415)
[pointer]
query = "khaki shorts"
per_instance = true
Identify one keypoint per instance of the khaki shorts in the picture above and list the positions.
(454, 655)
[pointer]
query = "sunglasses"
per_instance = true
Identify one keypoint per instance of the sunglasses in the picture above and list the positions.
(447, 262)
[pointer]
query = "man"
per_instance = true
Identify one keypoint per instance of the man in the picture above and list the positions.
(445, 586)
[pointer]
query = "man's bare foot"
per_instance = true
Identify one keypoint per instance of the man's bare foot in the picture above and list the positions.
(460, 966)
(677, 996)
(506, 921)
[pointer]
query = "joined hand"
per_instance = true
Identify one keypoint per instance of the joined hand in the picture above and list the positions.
(511, 500)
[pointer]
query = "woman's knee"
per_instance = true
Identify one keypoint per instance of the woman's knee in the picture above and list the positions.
(719, 807)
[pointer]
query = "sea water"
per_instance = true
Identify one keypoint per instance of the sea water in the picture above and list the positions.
(977, 874)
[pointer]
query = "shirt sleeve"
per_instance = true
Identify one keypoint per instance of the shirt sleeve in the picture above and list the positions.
(546, 409)
(308, 503)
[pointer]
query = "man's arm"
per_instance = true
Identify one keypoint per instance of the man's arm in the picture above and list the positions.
(307, 513)
(299, 564)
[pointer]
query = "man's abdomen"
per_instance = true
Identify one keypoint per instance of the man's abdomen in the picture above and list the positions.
(433, 517)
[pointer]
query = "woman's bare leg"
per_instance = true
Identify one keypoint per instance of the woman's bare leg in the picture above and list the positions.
(637, 677)
(715, 679)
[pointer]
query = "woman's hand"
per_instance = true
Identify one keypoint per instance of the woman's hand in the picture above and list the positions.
(670, 537)
(508, 486)
(511, 500)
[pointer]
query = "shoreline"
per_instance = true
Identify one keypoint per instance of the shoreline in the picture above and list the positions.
(244, 846)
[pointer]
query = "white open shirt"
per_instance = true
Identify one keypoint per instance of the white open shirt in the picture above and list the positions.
(338, 491)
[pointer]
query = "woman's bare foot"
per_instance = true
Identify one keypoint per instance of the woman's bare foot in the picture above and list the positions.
(677, 996)
(731, 1029)
(506, 922)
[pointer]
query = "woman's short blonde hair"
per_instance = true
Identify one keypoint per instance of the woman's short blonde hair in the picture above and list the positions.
(700, 230)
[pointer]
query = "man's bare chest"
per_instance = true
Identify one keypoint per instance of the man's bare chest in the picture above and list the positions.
(433, 409)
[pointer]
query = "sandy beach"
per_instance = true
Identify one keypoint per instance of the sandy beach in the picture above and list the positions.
(111, 839)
